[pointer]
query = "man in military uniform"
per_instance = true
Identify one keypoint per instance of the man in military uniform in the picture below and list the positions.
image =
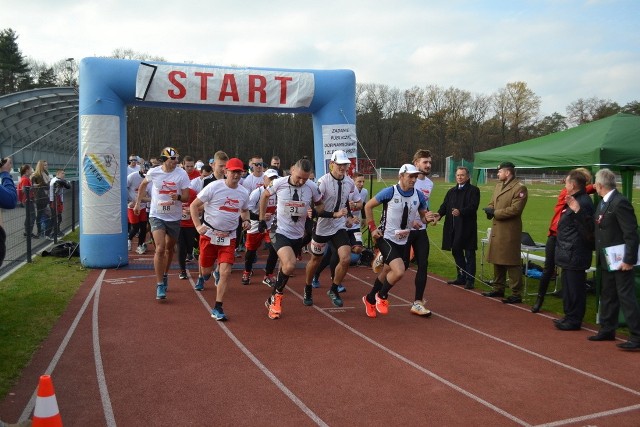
(505, 209)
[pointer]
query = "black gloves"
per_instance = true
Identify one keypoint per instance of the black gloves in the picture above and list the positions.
(489, 212)
(262, 226)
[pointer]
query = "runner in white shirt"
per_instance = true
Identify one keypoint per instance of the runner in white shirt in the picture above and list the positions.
(295, 195)
(224, 202)
(254, 237)
(170, 187)
(400, 204)
(206, 176)
(332, 225)
(134, 165)
(137, 223)
(418, 238)
(255, 178)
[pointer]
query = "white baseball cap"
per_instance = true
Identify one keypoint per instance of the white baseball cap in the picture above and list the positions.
(408, 168)
(271, 173)
(340, 157)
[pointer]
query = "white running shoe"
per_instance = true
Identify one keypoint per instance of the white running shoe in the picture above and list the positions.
(128, 245)
(141, 249)
(418, 308)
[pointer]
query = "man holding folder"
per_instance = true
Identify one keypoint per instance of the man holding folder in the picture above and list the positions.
(616, 224)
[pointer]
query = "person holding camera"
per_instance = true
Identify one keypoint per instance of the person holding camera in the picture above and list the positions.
(505, 210)
(56, 198)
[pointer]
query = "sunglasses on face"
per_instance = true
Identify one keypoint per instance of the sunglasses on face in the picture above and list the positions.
(258, 164)
(174, 157)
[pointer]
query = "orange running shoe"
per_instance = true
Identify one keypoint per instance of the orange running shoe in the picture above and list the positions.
(382, 305)
(274, 306)
(370, 309)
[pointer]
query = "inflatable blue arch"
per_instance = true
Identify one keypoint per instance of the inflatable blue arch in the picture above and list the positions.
(108, 86)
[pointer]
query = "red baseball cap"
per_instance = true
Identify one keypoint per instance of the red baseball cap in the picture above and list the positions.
(235, 164)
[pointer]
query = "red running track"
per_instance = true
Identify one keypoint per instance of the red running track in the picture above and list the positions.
(119, 357)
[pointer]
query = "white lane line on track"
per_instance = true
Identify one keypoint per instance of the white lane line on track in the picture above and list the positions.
(530, 352)
(97, 357)
(416, 366)
(61, 348)
(283, 388)
(590, 416)
(548, 359)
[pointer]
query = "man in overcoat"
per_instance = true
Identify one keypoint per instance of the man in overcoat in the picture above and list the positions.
(505, 209)
(460, 233)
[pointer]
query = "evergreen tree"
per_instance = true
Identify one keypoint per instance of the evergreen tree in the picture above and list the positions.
(14, 71)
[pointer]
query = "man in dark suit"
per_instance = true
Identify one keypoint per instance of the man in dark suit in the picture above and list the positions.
(460, 233)
(616, 224)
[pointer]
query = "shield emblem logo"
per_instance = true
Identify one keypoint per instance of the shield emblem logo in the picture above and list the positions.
(99, 172)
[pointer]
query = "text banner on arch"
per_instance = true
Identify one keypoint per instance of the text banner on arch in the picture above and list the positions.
(224, 86)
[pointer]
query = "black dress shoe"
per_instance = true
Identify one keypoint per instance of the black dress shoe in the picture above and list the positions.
(513, 299)
(603, 336)
(629, 346)
(556, 321)
(493, 294)
(469, 285)
(566, 326)
(455, 282)
(538, 305)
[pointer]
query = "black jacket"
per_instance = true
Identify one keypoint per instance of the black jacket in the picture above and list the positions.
(460, 232)
(574, 244)
(616, 224)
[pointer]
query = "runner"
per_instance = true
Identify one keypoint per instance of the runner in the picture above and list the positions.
(295, 195)
(224, 202)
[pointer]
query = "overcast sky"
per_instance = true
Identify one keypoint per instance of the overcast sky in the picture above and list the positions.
(562, 49)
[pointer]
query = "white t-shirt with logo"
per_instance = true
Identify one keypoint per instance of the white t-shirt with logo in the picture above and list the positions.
(222, 207)
(254, 206)
(328, 187)
(425, 186)
(251, 182)
(164, 185)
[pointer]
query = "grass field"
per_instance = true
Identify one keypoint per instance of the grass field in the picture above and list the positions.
(34, 297)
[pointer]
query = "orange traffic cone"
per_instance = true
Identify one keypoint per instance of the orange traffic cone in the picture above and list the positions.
(46, 413)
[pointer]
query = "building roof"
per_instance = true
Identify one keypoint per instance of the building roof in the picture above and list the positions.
(40, 124)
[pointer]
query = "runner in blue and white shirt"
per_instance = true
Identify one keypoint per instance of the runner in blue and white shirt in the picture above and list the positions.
(296, 194)
(401, 202)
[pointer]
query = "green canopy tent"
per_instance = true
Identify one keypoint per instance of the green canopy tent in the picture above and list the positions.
(612, 142)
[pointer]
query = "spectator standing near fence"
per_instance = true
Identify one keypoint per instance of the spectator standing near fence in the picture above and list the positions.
(505, 210)
(616, 224)
(40, 180)
(460, 232)
(27, 199)
(8, 199)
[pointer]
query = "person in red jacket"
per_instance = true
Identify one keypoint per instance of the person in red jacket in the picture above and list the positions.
(27, 200)
(550, 246)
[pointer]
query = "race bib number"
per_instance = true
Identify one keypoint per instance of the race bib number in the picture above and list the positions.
(317, 248)
(402, 234)
(294, 208)
(358, 236)
(221, 238)
(166, 206)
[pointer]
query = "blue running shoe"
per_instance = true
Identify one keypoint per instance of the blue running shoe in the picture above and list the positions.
(218, 314)
(200, 284)
(335, 298)
(341, 289)
(161, 291)
(165, 281)
(315, 282)
(216, 277)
